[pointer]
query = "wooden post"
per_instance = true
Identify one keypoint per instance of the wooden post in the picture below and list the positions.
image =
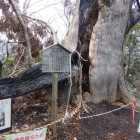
(54, 100)
(56, 59)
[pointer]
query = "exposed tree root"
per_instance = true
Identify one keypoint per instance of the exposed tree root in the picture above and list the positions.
(123, 94)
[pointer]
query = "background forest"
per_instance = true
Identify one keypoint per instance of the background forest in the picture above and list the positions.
(131, 52)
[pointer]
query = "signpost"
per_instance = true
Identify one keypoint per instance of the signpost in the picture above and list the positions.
(56, 59)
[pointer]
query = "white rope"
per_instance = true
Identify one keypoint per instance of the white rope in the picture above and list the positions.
(66, 111)
(45, 126)
(70, 86)
(80, 56)
(105, 112)
(39, 127)
(73, 113)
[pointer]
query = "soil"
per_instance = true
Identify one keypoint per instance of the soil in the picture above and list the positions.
(32, 111)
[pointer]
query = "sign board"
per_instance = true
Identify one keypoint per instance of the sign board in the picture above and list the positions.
(56, 59)
(5, 114)
(139, 128)
(31, 135)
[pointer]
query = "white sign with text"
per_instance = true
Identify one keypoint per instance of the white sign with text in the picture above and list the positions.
(139, 127)
(31, 135)
(5, 113)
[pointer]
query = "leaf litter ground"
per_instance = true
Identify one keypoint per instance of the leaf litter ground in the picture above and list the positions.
(32, 111)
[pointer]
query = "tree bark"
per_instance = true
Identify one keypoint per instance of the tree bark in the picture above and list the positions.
(25, 31)
(134, 18)
(105, 50)
(123, 94)
(101, 30)
(72, 37)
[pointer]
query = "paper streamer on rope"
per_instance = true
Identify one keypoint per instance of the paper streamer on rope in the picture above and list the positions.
(133, 111)
(30, 135)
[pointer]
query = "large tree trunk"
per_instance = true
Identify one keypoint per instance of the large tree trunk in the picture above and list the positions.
(101, 30)
(105, 50)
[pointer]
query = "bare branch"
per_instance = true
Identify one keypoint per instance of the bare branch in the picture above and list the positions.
(28, 4)
(54, 34)
(25, 7)
(44, 8)
(17, 63)
(24, 27)
(34, 3)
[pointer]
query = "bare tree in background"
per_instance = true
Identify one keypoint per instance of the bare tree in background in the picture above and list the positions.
(18, 27)
(24, 26)
(69, 8)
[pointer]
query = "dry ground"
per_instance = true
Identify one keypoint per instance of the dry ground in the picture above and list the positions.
(32, 111)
